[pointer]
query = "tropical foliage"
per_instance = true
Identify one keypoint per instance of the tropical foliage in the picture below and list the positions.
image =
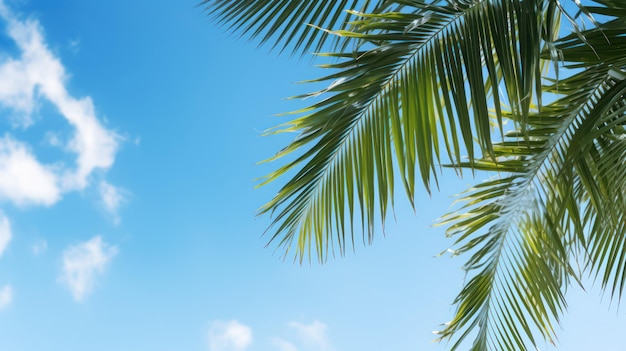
(532, 92)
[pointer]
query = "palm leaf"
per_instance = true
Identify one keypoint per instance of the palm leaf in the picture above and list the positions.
(286, 22)
(401, 103)
(562, 202)
(423, 83)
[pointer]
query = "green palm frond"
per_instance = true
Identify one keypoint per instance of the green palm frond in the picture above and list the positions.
(425, 82)
(603, 156)
(402, 102)
(286, 22)
(561, 202)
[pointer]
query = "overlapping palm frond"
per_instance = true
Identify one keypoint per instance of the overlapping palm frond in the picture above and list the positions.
(401, 102)
(560, 200)
(603, 159)
(422, 85)
(287, 22)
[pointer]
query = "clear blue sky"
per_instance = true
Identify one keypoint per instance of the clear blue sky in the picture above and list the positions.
(130, 137)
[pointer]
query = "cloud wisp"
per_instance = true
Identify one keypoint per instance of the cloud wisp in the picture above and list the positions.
(6, 296)
(313, 334)
(283, 345)
(39, 247)
(5, 233)
(33, 76)
(229, 336)
(235, 336)
(112, 198)
(23, 180)
(83, 263)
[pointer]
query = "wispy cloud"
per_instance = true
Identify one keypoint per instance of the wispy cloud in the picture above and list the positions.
(5, 233)
(33, 76)
(23, 180)
(283, 345)
(313, 334)
(112, 198)
(6, 296)
(82, 264)
(235, 336)
(6, 293)
(229, 336)
(74, 45)
(40, 246)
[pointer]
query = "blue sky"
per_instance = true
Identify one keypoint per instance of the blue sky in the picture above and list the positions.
(130, 142)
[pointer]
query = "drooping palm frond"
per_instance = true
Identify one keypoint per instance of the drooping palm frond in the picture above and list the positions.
(560, 200)
(418, 90)
(403, 101)
(286, 22)
(604, 159)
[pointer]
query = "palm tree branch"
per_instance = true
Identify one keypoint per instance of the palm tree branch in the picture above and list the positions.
(552, 219)
(288, 22)
(356, 127)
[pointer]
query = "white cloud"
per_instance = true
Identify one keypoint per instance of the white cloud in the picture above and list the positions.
(6, 296)
(284, 345)
(82, 263)
(229, 336)
(5, 233)
(313, 334)
(26, 81)
(112, 198)
(23, 180)
(39, 247)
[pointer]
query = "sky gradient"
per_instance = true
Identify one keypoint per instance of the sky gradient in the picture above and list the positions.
(128, 158)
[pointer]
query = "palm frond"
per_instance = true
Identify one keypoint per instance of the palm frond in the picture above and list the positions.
(286, 22)
(401, 103)
(423, 83)
(562, 202)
